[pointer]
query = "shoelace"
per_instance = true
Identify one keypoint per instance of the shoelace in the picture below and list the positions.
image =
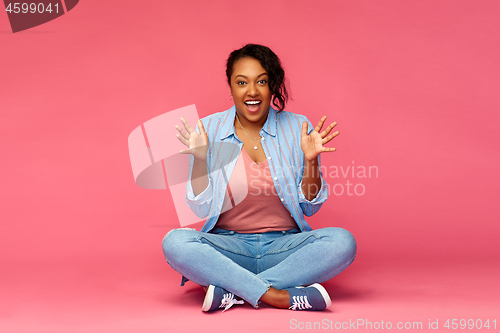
(300, 303)
(228, 301)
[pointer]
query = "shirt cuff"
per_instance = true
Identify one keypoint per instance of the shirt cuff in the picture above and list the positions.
(320, 197)
(205, 196)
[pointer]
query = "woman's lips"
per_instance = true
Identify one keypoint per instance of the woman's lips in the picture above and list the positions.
(252, 106)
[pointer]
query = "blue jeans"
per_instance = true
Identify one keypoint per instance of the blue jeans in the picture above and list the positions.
(248, 264)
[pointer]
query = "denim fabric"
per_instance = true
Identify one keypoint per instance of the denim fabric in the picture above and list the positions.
(281, 143)
(248, 264)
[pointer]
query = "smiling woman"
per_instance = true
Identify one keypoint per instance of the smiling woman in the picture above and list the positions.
(262, 249)
(271, 65)
(252, 100)
(250, 91)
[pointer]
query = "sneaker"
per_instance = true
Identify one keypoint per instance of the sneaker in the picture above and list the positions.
(312, 298)
(218, 298)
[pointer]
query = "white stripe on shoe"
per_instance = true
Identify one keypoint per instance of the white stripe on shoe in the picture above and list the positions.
(209, 297)
(324, 293)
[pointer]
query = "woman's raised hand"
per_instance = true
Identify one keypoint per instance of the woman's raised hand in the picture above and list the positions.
(197, 143)
(312, 144)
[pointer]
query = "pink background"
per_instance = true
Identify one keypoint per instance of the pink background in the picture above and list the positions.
(412, 84)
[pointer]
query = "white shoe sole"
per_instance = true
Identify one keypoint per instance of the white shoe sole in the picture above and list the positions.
(323, 292)
(209, 297)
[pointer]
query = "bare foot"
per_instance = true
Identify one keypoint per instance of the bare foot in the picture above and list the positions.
(277, 298)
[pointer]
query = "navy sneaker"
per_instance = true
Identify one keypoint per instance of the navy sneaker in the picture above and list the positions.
(218, 298)
(312, 298)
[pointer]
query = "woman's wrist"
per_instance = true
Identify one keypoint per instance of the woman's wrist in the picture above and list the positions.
(311, 180)
(198, 160)
(199, 177)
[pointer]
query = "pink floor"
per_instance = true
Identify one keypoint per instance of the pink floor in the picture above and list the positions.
(142, 294)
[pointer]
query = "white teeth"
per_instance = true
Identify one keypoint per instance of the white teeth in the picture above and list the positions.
(252, 102)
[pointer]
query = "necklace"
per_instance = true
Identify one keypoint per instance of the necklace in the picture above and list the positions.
(249, 137)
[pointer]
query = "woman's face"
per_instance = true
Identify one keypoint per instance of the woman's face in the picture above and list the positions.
(250, 90)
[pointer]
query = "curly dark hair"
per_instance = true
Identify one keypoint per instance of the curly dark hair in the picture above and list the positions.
(271, 63)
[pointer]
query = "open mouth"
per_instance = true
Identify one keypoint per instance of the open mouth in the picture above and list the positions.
(253, 106)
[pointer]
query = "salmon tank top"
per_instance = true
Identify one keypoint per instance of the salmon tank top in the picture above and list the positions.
(251, 204)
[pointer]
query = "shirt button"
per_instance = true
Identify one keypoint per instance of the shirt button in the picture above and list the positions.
(275, 178)
(269, 158)
(282, 199)
(262, 138)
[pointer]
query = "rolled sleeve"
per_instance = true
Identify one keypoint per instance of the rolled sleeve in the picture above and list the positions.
(311, 207)
(202, 203)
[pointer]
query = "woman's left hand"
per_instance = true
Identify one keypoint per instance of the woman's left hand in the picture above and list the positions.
(312, 144)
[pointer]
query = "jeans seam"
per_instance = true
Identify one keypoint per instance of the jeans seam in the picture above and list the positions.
(223, 248)
(258, 254)
(293, 247)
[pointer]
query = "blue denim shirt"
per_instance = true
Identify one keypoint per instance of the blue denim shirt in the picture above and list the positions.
(281, 143)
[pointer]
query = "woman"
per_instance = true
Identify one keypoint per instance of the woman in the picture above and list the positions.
(262, 250)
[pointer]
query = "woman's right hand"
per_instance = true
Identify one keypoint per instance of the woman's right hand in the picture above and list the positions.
(197, 143)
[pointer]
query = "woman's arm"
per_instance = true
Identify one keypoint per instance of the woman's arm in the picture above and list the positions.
(198, 191)
(197, 144)
(312, 145)
(311, 180)
(199, 177)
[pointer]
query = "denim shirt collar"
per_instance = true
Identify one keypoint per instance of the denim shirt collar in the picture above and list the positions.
(269, 126)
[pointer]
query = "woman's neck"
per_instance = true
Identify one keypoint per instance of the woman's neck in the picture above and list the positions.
(249, 126)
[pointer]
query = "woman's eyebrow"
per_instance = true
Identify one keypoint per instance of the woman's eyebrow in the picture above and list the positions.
(246, 77)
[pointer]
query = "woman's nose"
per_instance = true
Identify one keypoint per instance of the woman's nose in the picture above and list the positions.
(252, 90)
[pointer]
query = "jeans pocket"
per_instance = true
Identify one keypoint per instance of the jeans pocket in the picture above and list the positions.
(223, 241)
(218, 231)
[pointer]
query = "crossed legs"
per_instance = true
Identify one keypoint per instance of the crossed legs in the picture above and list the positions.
(259, 266)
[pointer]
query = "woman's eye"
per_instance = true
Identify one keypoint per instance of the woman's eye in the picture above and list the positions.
(241, 83)
(262, 82)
